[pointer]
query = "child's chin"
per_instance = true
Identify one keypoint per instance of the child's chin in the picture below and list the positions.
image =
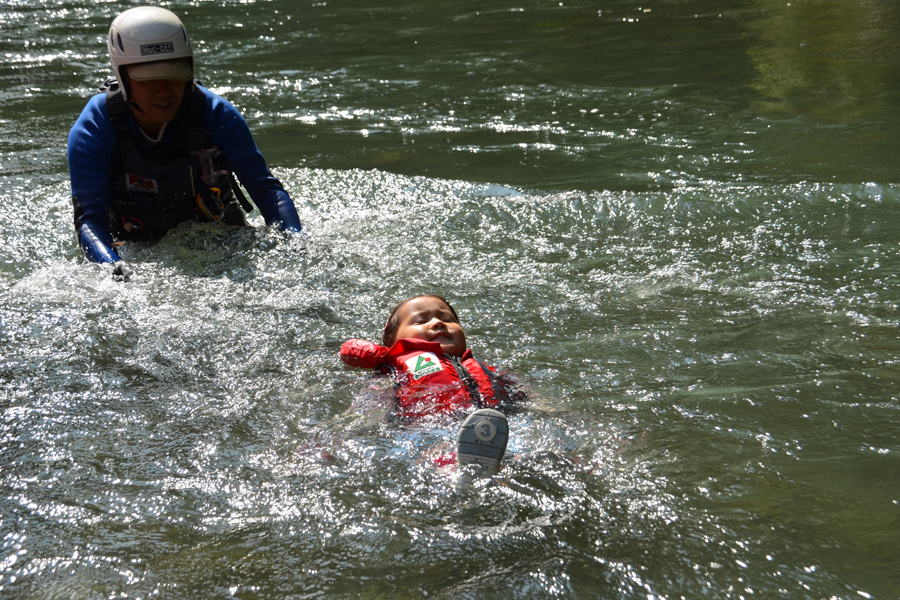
(451, 350)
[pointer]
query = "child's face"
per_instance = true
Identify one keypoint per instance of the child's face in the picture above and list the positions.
(431, 320)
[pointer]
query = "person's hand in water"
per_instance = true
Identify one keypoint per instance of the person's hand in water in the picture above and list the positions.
(121, 271)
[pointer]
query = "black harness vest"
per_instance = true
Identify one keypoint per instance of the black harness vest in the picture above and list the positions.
(154, 188)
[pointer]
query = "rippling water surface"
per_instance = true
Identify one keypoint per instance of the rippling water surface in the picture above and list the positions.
(676, 225)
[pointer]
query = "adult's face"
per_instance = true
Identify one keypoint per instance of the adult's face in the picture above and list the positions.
(159, 99)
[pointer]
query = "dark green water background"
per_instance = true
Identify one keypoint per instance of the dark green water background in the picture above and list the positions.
(675, 221)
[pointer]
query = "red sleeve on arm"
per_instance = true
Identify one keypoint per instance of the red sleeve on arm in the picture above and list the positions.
(360, 353)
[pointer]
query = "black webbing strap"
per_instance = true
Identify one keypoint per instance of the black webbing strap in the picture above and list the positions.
(197, 133)
(118, 115)
(500, 393)
(466, 377)
(245, 204)
(118, 112)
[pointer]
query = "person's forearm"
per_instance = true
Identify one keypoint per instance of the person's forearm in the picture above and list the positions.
(96, 243)
(281, 210)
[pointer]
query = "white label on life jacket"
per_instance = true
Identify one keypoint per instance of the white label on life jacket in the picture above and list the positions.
(136, 183)
(423, 364)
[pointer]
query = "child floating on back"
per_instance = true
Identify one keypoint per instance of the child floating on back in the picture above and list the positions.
(424, 348)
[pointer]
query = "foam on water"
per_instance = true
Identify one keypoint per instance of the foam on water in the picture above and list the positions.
(201, 407)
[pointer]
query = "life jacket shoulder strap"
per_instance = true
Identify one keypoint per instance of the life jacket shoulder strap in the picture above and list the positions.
(198, 138)
(118, 110)
(197, 134)
(466, 377)
(118, 115)
(501, 395)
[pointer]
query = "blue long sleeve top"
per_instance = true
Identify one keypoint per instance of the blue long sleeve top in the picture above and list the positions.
(92, 141)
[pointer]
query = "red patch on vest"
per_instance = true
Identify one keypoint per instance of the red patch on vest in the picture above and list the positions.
(136, 183)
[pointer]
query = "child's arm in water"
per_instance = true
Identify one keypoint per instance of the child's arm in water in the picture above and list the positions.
(361, 353)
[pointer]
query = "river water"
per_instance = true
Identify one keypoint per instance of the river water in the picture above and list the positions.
(672, 221)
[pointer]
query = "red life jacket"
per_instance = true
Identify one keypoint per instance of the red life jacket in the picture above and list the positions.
(429, 382)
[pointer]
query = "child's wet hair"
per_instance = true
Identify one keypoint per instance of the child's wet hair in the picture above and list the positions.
(389, 336)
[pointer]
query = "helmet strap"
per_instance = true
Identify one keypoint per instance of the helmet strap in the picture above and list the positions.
(125, 84)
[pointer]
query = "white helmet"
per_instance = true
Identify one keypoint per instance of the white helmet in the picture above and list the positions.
(148, 34)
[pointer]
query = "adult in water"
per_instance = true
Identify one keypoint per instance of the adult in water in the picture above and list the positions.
(155, 149)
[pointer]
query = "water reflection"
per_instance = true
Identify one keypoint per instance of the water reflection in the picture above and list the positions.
(827, 59)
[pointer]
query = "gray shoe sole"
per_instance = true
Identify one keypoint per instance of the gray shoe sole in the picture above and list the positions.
(482, 439)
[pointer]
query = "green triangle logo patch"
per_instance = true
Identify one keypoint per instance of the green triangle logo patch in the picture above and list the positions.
(423, 364)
